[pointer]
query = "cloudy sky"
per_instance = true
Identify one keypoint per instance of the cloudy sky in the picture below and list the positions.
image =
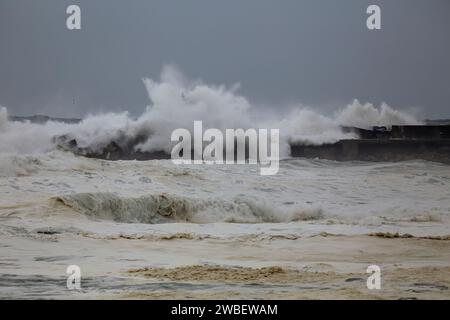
(316, 52)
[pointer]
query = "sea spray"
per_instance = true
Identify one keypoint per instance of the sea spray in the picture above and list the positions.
(176, 102)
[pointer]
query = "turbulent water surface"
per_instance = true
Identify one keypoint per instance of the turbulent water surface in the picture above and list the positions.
(155, 229)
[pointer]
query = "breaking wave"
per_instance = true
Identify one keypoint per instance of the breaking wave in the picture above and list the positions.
(175, 103)
(16, 166)
(163, 208)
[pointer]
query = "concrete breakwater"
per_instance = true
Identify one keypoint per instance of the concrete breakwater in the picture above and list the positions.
(377, 150)
(397, 143)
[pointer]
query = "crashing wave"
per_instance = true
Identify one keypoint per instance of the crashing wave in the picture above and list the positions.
(16, 166)
(163, 208)
(176, 102)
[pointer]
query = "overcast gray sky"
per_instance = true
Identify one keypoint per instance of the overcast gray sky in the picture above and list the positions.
(317, 52)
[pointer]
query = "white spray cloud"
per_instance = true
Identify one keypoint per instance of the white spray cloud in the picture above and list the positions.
(176, 102)
(26, 137)
(367, 115)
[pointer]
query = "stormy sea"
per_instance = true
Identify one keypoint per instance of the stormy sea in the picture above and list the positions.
(158, 230)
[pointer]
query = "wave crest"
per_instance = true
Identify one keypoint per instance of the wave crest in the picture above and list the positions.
(163, 208)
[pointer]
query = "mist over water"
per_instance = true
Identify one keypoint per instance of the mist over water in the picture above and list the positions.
(177, 101)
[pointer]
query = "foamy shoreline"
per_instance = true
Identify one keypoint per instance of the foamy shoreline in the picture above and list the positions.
(312, 268)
